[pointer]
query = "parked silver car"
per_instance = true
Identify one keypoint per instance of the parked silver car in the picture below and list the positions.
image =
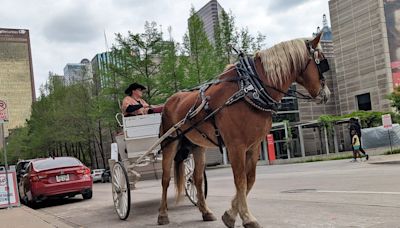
(96, 174)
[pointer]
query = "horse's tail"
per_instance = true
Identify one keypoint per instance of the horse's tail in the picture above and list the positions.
(179, 180)
(180, 157)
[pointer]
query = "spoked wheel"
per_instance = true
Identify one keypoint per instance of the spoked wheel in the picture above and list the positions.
(190, 188)
(121, 191)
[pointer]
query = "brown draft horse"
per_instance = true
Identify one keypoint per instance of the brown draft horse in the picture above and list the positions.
(241, 126)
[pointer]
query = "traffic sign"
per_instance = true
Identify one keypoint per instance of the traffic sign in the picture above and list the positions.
(3, 111)
(8, 190)
(387, 121)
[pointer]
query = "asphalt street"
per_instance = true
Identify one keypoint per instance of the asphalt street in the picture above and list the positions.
(320, 194)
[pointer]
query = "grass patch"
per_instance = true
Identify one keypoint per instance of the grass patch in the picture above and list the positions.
(397, 151)
(329, 158)
(315, 159)
(342, 157)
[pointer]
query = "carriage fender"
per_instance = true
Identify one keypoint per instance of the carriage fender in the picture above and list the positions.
(114, 151)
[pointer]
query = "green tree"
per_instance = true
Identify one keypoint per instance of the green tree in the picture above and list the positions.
(202, 65)
(138, 58)
(249, 43)
(225, 37)
(171, 78)
(394, 98)
(228, 35)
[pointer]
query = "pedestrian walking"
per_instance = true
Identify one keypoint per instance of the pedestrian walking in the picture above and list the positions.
(355, 143)
(355, 125)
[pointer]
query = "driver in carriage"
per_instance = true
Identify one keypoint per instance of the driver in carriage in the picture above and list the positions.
(133, 104)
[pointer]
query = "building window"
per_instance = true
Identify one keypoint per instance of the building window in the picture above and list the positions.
(364, 102)
(291, 116)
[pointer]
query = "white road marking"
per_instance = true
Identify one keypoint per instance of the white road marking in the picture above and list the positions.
(358, 192)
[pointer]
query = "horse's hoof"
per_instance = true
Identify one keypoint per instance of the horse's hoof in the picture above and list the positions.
(163, 220)
(252, 225)
(228, 220)
(209, 217)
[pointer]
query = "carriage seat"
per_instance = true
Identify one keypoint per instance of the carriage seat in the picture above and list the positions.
(142, 126)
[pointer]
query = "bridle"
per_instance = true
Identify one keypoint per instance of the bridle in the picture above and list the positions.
(322, 64)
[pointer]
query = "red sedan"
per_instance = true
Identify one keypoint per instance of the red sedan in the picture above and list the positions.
(59, 176)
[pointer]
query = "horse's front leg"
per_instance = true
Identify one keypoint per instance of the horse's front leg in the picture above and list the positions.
(251, 164)
(168, 154)
(200, 160)
(238, 159)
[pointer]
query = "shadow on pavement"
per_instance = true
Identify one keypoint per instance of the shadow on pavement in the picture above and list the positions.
(386, 163)
(54, 202)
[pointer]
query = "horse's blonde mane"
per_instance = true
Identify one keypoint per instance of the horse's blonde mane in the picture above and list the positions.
(284, 60)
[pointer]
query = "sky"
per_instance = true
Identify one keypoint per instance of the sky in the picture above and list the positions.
(66, 31)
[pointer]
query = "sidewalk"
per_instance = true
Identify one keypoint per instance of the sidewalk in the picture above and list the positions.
(22, 217)
(376, 156)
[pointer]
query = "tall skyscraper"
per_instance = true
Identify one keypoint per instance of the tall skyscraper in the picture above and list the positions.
(210, 14)
(17, 85)
(360, 37)
(78, 72)
(100, 66)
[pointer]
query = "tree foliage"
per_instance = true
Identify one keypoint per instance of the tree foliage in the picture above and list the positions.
(367, 119)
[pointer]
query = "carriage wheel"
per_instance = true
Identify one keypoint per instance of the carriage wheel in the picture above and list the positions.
(190, 188)
(121, 191)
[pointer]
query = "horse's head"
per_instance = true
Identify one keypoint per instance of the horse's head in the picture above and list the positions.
(311, 77)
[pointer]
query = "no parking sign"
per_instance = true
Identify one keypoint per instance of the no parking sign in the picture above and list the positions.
(387, 121)
(3, 111)
(11, 189)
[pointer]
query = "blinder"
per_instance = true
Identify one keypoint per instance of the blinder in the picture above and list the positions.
(322, 64)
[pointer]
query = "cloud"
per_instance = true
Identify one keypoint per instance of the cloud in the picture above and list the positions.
(284, 5)
(73, 25)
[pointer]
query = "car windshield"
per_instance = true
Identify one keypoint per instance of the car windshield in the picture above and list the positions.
(51, 163)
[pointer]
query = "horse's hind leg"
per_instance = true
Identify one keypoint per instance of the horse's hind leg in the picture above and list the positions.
(168, 155)
(199, 158)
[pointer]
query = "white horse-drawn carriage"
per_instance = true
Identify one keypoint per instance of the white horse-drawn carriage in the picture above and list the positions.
(136, 155)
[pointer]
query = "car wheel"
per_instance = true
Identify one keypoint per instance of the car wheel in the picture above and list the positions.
(24, 200)
(88, 194)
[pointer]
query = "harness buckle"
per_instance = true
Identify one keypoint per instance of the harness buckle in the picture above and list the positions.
(248, 88)
(256, 95)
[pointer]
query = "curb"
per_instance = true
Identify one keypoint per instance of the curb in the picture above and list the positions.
(50, 219)
(23, 216)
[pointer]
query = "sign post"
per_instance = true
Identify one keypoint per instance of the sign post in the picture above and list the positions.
(387, 123)
(3, 119)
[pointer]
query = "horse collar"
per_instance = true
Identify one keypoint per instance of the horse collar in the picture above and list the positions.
(252, 86)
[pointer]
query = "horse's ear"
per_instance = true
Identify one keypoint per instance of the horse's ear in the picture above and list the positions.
(315, 41)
